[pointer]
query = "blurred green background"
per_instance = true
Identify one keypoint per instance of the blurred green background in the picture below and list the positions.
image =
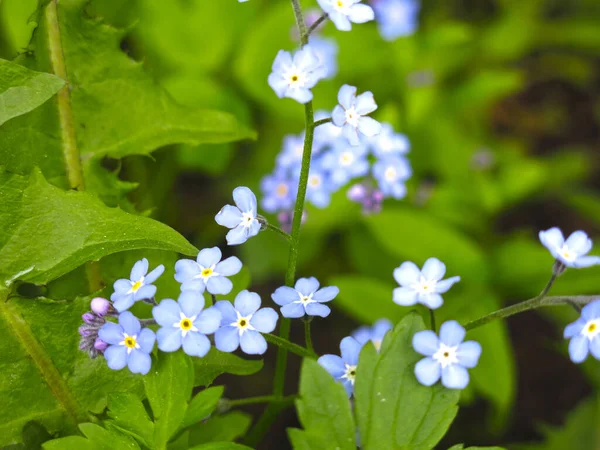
(501, 102)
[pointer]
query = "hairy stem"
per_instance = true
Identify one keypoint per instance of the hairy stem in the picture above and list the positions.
(321, 122)
(289, 346)
(278, 231)
(261, 399)
(307, 336)
(315, 25)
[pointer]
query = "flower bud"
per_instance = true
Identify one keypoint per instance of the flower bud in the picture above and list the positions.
(100, 345)
(89, 318)
(100, 306)
(85, 330)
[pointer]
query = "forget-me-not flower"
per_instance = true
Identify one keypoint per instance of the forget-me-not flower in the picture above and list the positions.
(351, 114)
(391, 173)
(369, 197)
(319, 186)
(290, 156)
(138, 287)
(304, 298)
(422, 286)
(208, 272)
(573, 251)
(294, 77)
(185, 324)
(345, 163)
(343, 12)
(326, 51)
(375, 334)
(128, 344)
(585, 333)
(242, 322)
(396, 18)
(447, 357)
(343, 368)
(242, 218)
(388, 142)
(279, 191)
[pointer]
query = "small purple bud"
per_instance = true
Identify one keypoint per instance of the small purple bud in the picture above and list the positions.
(357, 193)
(83, 345)
(100, 345)
(89, 318)
(100, 306)
(86, 330)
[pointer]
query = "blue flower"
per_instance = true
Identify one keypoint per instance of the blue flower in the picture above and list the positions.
(369, 197)
(290, 156)
(391, 173)
(138, 287)
(572, 251)
(319, 187)
(585, 333)
(242, 323)
(207, 272)
(345, 163)
(447, 357)
(396, 18)
(388, 143)
(128, 344)
(326, 135)
(242, 218)
(351, 114)
(279, 191)
(343, 369)
(293, 77)
(326, 51)
(375, 334)
(422, 286)
(304, 298)
(184, 323)
(343, 12)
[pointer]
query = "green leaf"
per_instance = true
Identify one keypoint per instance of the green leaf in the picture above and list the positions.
(394, 411)
(216, 363)
(65, 229)
(324, 407)
(98, 438)
(202, 405)
(129, 415)
(221, 446)
(169, 388)
(51, 380)
(302, 440)
(226, 427)
(22, 90)
(462, 447)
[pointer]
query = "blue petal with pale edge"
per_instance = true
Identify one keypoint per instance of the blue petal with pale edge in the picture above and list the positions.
(468, 354)
(350, 349)
(209, 320)
(284, 295)
(428, 371)
(129, 323)
(455, 377)
(333, 364)
(579, 348)
(196, 344)
(209, 256)
(139, 269)
(166, 313)
(191, 303)
(264, 320)
(169, 338)
(139, 362)
(425, 342)
(111, 333)
(451, 333)
(252, 343)
(247, 302)
(227, 339)
(116, 356)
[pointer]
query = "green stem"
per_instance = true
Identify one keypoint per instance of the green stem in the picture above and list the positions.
(307, 336)
(278, 231)
(432, 319)
(261, 399)
(318, 22)
(271, 412)
(289, 346)
(321, 122)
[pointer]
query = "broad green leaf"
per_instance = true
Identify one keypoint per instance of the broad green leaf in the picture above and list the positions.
(226, 427)
(168, 389)
(202, 405)
(302, 440)
(367, 299)
(216, 363)
(64, 229)
(22, 90)
(129, 415)
(324, 407)
(220, 446)
(98, 438)
(51, 381)
(394, 411)
(114, 107)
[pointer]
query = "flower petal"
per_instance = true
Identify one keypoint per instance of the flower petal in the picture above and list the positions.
(579, 242)
(228, 267)
(111, 333)
(122, 302)
(351, 133)
(338, 116)
(116, 356)
(228, 314)
(166, 313)
(191, 303)
(253, 343)
(349, 387)
(147, 291)
(552, 239)
(307, 286)
(340, 20)
(139, 269)
(227, 339)
(407, 274)
(586, 261)
(365, 103)
(451, 333)
(425, 342)
(455, 377)
(595, 347)
(209, 256)
(139, 362)
(350, 349)
(361, 13)
(405, 296)
(432, 301)
(185, 270)
(169, 338)
(196, 284)
(129, 323)
(146, 340)
(247, 302)
(264, 320)
(238, 235)
(579, 348)
(317, 309)
(122, 286)
(573, 329)
(428, 371)
(293, 310)
(333, 364)
(326, 294)
(444, 285)
(468, 354)
(368, 126)
(229, 216)
(284, 295)
(152, 276)
(219, 285)
(591, 311)
(433, 269)
(196, 344)
(245, 200)
(346, 96)
(209, 320)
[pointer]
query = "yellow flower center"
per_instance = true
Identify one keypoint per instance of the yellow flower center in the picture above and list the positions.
(314, 181)
(340, 3)
(136, 286)
(592, 327)
(243, 323)
(294, 77)
(207, 272)
(130, 342)
(185, 324)
(282, 190)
